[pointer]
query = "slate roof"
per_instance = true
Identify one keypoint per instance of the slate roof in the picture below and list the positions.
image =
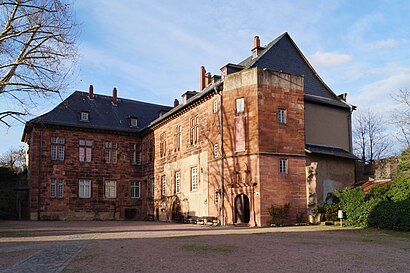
(103, 114)
(282, 54)
(329, 150)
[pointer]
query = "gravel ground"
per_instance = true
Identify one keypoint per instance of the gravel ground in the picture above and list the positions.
(159, 247)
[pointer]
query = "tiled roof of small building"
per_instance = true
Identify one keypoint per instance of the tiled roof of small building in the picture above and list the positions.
(102, 113)
(329, 150)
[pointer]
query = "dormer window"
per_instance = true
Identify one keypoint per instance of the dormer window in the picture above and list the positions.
(84, 116)
(134, 122)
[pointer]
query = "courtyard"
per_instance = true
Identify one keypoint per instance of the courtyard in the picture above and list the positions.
(118, 246)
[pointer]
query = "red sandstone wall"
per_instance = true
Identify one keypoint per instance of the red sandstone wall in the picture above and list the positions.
(71, 170)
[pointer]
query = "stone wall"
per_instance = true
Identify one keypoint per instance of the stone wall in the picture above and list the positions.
(71, 206)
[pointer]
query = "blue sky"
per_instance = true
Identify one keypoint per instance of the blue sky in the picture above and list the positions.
(152, 50)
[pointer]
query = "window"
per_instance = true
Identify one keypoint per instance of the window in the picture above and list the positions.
(134, 122)
(240, 105)
(53, 188)
(57, 148)
(84, 188)
(110, 152)
(282, 116)
(56, 188)
(135, 189)
(194, 130)
(215, 106)
(177, 182)
(135, 154)
(151, 151)
(216, 150)
(152, 187)
(162, 145)
(85, 150)
(177, 138)
(110, 189)
(194, 178)
(216, 197)
(84, 116)
(163, 180)
(283, 166)
(60, 188)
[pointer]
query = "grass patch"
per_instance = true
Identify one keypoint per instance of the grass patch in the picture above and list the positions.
(207, 248)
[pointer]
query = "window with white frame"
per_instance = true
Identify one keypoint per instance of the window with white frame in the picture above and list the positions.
(85, 150)
(84, 116)
(283, 166)
(163, 185)
(57, 148)
(110, 189)
(240, 105)
(135, 189)
(110, 152)
(282, 116)
(216, 150)
(215, 106)
(84, 188)
(194, 178)
(52, 188)
(60, 188)
(177, 181)
(134, 122)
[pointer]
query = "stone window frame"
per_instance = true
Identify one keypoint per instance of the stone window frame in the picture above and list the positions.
(215, 106)
(110, 189)
(282, 116)
(60, 188)
(84, 188)
(53, 188)
(177, 181)
(240, 105)
(194, 178)
(216, 150)
(163, 185)
(111, 152)
(162, 144)
(57, 148)
(152, 186)
(135, 187)
(85, 150)
(178, 137)
(283, 166)
(194, 130)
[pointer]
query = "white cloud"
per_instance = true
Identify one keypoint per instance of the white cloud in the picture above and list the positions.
(386, 43)
(329, 59)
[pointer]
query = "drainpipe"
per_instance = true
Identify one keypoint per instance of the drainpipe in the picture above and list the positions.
(40, 163)
(219, 92)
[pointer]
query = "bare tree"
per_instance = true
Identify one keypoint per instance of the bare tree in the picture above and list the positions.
(401, 116)
(14, 158)
(37, 51)
(370, 140)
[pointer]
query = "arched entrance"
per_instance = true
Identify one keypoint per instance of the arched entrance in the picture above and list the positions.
(242, 212)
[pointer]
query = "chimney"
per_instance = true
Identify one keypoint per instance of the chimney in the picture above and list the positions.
(208, 78)
(256, 47)
(91, 91)
(256, 42)
(202, 78)
(114, 96)
(343, 96)
(176, 102)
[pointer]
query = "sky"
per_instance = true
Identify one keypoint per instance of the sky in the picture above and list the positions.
(153, 50)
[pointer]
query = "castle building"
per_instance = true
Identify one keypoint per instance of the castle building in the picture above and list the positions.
(265, 132)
